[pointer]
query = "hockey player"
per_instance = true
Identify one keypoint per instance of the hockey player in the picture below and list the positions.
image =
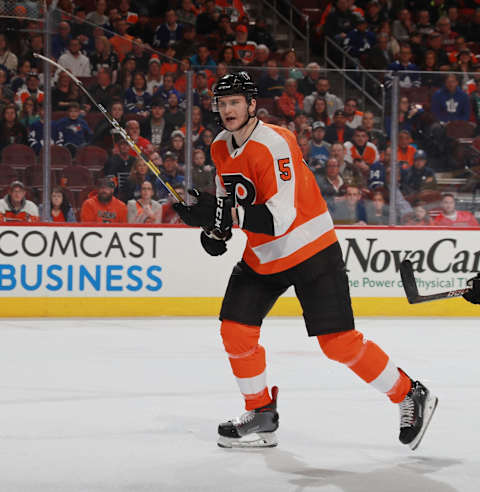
(264, 186)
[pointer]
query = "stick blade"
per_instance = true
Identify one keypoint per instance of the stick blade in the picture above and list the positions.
(408, 280)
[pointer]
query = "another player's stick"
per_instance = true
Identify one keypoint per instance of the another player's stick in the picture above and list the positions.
(117, 127)
(411, 289)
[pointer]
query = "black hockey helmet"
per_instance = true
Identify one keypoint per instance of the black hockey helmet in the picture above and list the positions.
(232, 84)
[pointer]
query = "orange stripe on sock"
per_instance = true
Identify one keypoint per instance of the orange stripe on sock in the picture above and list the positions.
(248, 367)
(373, 362)
(258, 400)
(400, 388)
(367, 360)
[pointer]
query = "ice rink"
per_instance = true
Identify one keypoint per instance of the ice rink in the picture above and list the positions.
(133, 405)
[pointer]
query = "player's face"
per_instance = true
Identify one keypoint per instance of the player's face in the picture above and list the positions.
(233, 111)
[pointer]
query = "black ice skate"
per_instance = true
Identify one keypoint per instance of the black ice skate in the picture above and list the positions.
(416, 411)
(253, 429)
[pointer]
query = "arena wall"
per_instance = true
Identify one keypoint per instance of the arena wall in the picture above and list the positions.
(112, 271)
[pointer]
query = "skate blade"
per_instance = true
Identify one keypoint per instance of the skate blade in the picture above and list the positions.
(254, 440)
(430, 408)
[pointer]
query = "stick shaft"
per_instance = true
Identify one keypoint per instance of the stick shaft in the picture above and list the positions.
(117, 127)
(411, 290)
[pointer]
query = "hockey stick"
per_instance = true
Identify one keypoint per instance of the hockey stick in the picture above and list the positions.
(117, 127)
(411, 289)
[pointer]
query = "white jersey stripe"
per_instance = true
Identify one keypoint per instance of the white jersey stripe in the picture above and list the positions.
(298, 238)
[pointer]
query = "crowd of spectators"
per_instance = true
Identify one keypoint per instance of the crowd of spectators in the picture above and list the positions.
(133, 58)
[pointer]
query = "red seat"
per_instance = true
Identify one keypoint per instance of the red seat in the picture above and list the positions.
(80, 197)
(58, 115)
(60, 157)
(7, 175)
(134, 116)
(18, 156)
(460, 129)
(34, 177)
(76, 178)
(268, 103)
(93, 118)
(92, 157)
(417, 95)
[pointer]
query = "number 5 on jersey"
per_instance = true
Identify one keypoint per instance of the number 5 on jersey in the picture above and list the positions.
(284, 168)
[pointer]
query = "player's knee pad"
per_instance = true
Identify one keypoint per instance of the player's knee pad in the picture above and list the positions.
(239, 339)
(343, 346)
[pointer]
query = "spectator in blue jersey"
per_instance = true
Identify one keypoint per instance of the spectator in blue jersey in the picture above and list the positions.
(450, 103)
(35, 132)
(202, 59)
(271, 83)
(137, 99)
(319, 149)
(166, 89)
(360, 39)
(376, 174)
(404, 68)
(169, 32)
(75, 130)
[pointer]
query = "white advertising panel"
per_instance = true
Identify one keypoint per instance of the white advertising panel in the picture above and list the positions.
(52, 261)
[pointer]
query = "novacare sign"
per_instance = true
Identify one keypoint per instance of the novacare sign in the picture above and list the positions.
(442, 259)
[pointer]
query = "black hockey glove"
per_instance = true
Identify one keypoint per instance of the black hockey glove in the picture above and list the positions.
(214, 247)
(473, 295)
(222, 226)
(202, 213)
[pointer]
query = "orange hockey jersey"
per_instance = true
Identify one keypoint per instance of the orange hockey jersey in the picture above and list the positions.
(269, 169)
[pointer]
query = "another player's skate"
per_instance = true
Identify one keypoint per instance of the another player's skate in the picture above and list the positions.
(416, 411)
(253, 429)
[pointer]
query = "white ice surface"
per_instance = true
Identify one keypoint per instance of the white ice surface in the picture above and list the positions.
(133, 404)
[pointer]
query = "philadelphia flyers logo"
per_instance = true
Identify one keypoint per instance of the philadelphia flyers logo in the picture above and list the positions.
(240, 188)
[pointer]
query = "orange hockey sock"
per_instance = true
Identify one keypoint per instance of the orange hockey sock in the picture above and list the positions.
(247, 359)
(367, 360)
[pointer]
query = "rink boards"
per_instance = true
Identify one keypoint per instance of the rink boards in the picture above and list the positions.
(112, 271)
